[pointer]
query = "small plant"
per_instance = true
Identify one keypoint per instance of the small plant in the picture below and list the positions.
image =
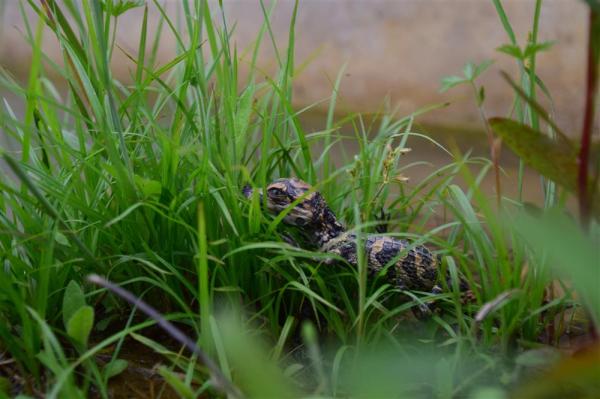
(471, 73)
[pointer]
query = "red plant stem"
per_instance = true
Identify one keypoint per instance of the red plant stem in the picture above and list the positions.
(588, 123)
(495, 148)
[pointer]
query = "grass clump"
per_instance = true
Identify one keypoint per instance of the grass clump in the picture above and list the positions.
(141, 183)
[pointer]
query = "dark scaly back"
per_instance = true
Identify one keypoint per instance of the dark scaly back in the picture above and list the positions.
(326, 226)
(414, 269)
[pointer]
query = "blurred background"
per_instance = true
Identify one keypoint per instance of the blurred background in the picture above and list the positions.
(394, 49)
(393, 54)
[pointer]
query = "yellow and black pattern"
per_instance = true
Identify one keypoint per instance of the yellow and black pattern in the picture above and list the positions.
(405, 266)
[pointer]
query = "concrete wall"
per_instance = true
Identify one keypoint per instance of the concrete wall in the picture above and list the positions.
(395, 48)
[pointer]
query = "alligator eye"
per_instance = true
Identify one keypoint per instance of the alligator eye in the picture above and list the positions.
(300, 221)
(278, 196)
(275, 192)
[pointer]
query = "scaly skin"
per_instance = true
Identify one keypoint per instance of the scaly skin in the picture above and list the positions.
(406, 267)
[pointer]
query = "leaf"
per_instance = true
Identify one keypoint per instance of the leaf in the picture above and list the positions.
(155, 346)
(61, 239)
(482, 67)
(542, 113)
(512, 50)
(449, 82)
(532, 49)
(80, 324)
(103, 324)
(469, 71)
(307, 291)
(122, 6)
(114, 368)
(244, 111)
(480, 96)
(552, 159)
(472, 71)
(73, 300)
(540, 83)
(124, 214)
(558, 239)
(147, 186)
(175, 382)
(495, 304)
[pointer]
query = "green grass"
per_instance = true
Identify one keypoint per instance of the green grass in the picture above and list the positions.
(141, 182)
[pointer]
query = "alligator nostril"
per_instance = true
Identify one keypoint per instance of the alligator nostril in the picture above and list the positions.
(247, 191)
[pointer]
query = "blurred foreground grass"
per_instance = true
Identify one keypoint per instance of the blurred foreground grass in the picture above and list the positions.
(141, 183)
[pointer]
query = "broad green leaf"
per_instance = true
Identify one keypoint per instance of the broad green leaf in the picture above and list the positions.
(80, 324)
(552, 159)
(114, 368)
(73, 300)
(556, 160)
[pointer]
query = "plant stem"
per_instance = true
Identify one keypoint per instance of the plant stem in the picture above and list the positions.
(494, 149)
(533, 40)
(588, 122)
(203, 282)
